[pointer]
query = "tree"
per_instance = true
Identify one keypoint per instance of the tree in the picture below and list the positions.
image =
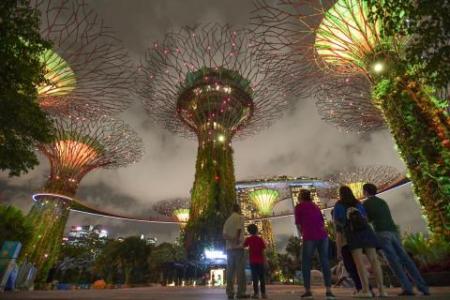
(428, 23)
(162, 259)
(22, 122)
(13, 225)
(126, 259)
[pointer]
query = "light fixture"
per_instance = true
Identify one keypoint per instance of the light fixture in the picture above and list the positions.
(378, 67)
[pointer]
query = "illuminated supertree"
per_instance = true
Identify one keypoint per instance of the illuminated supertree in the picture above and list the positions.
(87, 69)
(81, 145)
(382, 176)
(264, 200)
(338, 37)
(178, 208)
(345, 102)
(210, 82)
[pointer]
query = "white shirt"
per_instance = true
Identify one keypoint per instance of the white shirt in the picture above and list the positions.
(234, 223)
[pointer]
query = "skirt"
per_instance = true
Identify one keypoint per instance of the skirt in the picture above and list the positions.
(365, 238)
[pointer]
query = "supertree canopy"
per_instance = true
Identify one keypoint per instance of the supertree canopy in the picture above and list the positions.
(87, 69)
(212, 82)
(382, 176)
(178, 208)
(80, 146)
(264, 200)
(345, 102)
(340, 38)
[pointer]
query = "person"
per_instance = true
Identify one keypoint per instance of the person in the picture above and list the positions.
(256, 248)
(379, 214)
(233, 233)
(311, 228)
(351, 221)
(344, 254)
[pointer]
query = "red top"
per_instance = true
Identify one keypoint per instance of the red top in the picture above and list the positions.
(256, 248)
(310, 219)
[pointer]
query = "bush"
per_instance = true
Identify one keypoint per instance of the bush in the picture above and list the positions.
(432, 254)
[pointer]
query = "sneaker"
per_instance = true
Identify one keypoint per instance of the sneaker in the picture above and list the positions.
(330, 296)
(243, 296)
(406, 293)
(361, 294)
(306, 295)
(263, 296)
(255, 296)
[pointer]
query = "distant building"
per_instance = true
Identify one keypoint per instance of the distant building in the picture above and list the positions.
(81, 235)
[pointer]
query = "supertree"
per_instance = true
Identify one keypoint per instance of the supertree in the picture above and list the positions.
(81, 145)
(86, 69)
(210, 82)
(382, 176)
(345, 102)
(264, 200)
(340, 38)
(178, 208)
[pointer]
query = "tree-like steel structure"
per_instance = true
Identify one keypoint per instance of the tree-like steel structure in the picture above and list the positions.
(264, 200)
(339, 37)
(382, 176)
(177, 207)
(345, 102)
(212, 83)
(81, 145)
(87, 68)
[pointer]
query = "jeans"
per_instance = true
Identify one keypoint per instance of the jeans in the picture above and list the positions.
(236, 268)
(258, 277)
(399, 261)
(309, 247)
(350, 266)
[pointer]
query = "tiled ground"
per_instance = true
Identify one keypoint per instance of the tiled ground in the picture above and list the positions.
(276, 292)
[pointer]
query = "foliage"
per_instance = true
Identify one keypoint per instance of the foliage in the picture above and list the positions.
(428, 25)
(48, 218)
(213, 195)
(76, 261)
(412, 112)
(162, 258)
(431, 253)
(124, 261)
(13, 225)
(22, 122)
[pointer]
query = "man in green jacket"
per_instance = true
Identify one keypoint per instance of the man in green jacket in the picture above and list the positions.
(379, 215)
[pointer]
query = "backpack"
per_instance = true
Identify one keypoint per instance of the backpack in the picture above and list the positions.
(356, 220)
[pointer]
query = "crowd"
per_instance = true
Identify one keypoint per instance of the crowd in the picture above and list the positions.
(364, 230)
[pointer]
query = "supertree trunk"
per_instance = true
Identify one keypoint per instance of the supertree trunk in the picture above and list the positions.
(48, 217)
(267, 233)
(421, 130)
(213, 195)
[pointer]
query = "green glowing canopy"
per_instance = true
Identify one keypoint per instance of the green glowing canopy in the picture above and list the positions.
(346, 35)
(264, 200)
(182, 214)
(60, 77)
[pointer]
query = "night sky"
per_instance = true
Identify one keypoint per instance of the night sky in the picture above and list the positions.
(299, 144)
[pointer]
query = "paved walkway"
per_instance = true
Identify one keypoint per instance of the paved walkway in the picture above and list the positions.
(275, 292)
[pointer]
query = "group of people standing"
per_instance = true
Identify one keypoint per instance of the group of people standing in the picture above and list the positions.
(362, 228)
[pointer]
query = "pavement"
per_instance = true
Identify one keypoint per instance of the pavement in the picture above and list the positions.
(275, 292)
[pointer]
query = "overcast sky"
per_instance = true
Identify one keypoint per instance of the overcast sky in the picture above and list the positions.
(299, 144)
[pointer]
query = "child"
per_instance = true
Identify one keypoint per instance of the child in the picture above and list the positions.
(256, 248)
